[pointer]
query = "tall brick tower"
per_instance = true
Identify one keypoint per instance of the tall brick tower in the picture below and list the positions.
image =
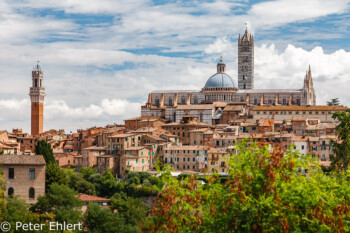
(37, 95)
(246, 61)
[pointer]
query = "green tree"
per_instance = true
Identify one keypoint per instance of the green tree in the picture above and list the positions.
(105, 184)
(100, 219)
(17, 211)
(133, 210)
(2, 191)
(86, 172)
(61, 201)
(43, 148)
(56, 174)
(341, 156)
(265, 192)
(79, 184)
(333, 102)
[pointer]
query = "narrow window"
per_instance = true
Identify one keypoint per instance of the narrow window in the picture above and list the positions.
(32, 173)
(11, 173)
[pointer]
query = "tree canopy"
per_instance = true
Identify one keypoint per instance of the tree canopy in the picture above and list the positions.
(43, 148)
(265, 191)
(333, 102)
(341, 156)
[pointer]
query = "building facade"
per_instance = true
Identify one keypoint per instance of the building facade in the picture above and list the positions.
(24, 176)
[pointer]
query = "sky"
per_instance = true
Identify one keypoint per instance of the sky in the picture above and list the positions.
(101, 58)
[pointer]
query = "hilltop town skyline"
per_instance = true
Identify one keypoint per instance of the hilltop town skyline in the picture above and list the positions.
(94, 80)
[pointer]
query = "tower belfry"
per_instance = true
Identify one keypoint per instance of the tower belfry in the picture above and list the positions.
(37, 95)
(246, 61)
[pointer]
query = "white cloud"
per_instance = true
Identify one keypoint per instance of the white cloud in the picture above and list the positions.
(107, 109)
(287, 69)
(221, 45)
(285, 11)
(58, 114)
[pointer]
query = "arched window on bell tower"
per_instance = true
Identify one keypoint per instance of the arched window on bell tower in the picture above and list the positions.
(35, 82)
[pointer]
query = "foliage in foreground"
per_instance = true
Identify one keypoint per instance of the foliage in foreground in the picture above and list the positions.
(341, 156)
(265, 192)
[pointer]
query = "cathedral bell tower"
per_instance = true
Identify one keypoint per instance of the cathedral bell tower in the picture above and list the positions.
(246, 61)
(37, 95)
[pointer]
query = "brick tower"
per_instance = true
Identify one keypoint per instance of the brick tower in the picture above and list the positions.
(246, 61)
(37, 95)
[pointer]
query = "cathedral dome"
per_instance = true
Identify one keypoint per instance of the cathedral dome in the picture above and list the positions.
(220, 80)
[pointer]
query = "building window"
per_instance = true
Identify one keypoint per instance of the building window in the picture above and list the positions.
(11, 173)
(10, 192)
(183, 100)
(31, 193)
(32, 173)
(170, 102)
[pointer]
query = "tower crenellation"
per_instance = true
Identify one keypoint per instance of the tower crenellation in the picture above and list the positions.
(37, 96)
(246, 61)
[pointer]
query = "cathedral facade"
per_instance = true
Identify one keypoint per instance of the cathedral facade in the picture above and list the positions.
(221, 99)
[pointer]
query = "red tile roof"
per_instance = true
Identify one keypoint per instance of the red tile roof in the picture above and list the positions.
(89, 198)
(22, 159)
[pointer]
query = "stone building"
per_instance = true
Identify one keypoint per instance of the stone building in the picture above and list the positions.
(220, 92)
(24, 176)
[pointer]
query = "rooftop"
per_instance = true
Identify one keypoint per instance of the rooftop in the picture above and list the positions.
(89, 198)
(299, 108)
(22, 159)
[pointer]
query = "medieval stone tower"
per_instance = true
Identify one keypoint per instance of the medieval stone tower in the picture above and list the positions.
(37, 95)
(246, 61)
(309, 94)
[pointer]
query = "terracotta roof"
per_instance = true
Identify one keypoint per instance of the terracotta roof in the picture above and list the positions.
(299, 119)
(218, 150)
(314, 139)
(3, 146)
(22, 159)
(195, 107)
(265, 122)
(135, 148)
(299, 108)
(89, 198)
(155, 137)
(122, 135)
(185, 148)
(95, 148)
(300, 139)
(233, 108)
(200, 130)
